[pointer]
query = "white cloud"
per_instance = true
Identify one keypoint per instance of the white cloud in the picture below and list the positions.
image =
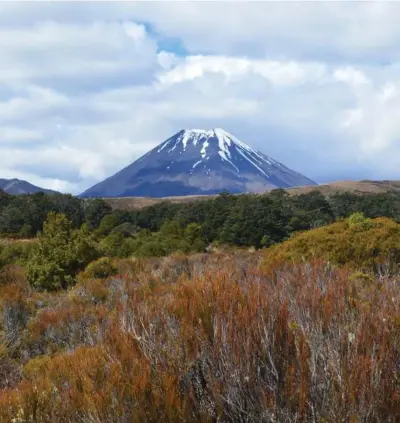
(72, 54)
(280, 73)
(351, 76)
(86, 89)
(334, 31)
(168, 60)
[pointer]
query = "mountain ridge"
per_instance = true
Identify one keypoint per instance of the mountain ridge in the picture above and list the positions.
(198, 162)
(19, 187)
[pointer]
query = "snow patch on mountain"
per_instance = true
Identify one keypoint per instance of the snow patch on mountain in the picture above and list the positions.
(229, 149)
(227, 146)
(203, 151)
(223, 156)
(196, 164)
(197, 161)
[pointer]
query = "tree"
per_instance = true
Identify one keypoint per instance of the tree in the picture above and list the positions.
(265, 241)
(11, 219)
(108, 222)
(4, 198)
(59, 254)
(193, 232)
(95, 210)
(127, 229)
(114, 245)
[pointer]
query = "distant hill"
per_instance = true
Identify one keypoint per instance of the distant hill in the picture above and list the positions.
(199, 162)
(18, 187)
(361, 187)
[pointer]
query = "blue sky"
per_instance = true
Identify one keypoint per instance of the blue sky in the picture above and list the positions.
(86, 88)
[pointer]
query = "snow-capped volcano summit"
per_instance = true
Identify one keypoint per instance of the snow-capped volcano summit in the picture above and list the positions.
(227, 146)
(196, 161)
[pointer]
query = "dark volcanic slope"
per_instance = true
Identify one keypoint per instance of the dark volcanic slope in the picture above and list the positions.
(17, 187)
(198, 162)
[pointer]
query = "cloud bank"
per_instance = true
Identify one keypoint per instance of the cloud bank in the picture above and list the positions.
(86, 88)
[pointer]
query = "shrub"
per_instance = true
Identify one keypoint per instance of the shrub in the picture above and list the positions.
(12, 274)
(358, 220)
(115, 245)
(15, 252)
(221, 345)
(59, 254)
(209, 338)
(102, 268)
(15, 311)
(359, 243)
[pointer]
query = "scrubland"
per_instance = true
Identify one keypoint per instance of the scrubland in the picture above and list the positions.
(218, 337)
(257, 309)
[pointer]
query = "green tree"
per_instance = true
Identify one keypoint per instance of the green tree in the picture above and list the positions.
(192, 232)
(4, 198)
(114, 245)
(108, 222)
(11, 219)
(127, 229)
(95, 210)
(171, 229)
(265, 241)
(59, 254)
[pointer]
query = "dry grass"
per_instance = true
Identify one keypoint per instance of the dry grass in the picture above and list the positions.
(361, 187)
(135, 203)
(8, 241)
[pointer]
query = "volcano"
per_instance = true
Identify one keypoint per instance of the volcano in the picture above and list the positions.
(199, 162)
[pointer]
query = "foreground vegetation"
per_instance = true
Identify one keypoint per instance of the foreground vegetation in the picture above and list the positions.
(206, 338)
(304, 326)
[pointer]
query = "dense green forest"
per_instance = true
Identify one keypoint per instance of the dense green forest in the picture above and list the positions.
(243, 220)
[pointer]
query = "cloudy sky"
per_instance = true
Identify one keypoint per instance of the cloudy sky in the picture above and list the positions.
(86, 88)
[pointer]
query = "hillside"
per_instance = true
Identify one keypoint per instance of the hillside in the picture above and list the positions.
(18, 187)
(361, 187)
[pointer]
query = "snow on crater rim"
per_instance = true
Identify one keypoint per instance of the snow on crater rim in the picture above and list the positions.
(203, 151)
(228, 145)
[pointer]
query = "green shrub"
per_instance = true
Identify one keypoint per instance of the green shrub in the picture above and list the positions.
(15, 252)
(115, 245)
(151, 249)
(101, 269)
(359, 243)
(59, 254)
(359, 221)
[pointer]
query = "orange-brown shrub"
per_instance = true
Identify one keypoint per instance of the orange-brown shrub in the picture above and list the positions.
(59, 328)
(12, 274)
(222, 342)
(15, 310)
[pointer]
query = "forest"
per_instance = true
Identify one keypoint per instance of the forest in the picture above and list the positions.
(227, 219)
(242, 308)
